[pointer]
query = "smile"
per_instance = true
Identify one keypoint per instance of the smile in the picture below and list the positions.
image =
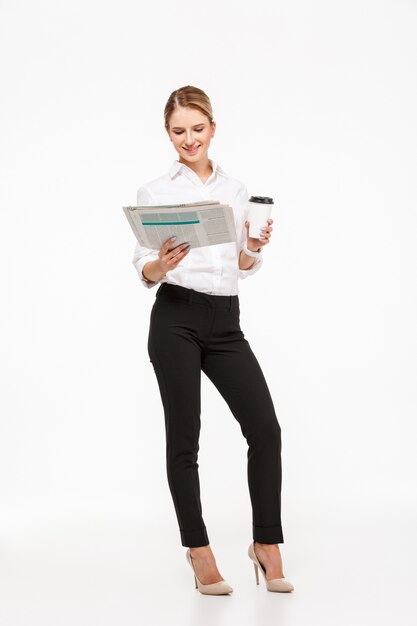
(191, 151)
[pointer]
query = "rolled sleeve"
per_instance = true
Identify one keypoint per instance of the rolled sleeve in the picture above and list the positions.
(143, 255)
(243, 200)
(252, 270)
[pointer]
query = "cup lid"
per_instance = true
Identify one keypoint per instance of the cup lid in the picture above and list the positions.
(261, 199)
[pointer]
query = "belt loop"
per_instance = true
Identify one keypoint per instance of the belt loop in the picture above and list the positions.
(190, 297)
(230, 303)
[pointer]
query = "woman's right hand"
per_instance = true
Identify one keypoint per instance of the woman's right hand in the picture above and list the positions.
(170, 259)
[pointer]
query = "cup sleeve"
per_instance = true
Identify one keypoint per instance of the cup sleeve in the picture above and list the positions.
(243, 204)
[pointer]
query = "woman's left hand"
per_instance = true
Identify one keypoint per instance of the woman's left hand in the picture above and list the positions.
(254, 243)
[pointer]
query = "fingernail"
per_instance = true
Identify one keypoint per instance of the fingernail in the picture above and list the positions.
(174, 237)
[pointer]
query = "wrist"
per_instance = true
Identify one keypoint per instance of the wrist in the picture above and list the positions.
(251, 253)
(159, 266)
(154, 271)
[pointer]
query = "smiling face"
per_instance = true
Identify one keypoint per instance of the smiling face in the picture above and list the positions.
(191, 133)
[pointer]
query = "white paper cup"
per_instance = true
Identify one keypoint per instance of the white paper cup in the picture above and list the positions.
(259, 210)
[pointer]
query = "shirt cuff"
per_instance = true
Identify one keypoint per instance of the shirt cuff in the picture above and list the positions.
(139, 265)
(253, 269)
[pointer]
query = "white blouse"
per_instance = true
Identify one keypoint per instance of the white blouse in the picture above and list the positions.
(210, 269)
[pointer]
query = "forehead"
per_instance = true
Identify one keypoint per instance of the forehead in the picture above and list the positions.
(187, 117)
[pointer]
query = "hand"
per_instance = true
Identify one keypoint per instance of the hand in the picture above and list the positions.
(170, 259)
(254, 243)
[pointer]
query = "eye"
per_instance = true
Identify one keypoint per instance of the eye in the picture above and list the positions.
(198, 130)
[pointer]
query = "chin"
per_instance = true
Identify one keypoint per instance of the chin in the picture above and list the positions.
(195, 157)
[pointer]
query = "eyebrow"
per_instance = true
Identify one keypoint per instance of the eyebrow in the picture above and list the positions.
(180, 127)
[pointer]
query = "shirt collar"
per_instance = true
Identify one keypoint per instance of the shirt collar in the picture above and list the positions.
(177, 166)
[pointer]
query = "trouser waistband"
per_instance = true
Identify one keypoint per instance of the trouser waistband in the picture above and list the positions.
(191, 295)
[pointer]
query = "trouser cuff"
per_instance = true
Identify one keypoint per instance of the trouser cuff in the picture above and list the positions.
(194, 538)
(267, 534)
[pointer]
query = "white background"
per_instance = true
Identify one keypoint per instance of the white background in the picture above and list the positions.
(315, 105)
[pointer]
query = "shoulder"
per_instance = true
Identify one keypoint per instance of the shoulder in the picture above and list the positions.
(237, 187)
(147, 193)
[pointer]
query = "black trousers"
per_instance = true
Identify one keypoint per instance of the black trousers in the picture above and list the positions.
(190, 332)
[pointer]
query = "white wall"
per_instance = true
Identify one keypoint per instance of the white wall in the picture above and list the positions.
(315, 105)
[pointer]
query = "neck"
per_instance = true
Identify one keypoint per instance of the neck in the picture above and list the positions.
(202, 168)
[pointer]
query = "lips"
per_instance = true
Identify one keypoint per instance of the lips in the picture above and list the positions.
(193, 149)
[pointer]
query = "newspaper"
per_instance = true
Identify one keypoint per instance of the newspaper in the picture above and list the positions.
(204, 223)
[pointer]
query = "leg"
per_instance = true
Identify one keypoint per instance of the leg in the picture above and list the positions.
(233, 368)
(176, 358)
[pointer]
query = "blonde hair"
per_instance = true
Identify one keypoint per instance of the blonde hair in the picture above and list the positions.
(191, 97)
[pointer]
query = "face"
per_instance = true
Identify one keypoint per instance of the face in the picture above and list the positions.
(191, 133)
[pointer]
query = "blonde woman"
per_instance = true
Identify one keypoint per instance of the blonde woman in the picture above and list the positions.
(194, 328)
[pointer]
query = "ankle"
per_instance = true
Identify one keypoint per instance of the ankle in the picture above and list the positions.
(201, 551)
(267, 547)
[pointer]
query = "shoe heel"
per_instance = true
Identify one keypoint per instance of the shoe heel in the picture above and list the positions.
(195, 581)
(256, 573)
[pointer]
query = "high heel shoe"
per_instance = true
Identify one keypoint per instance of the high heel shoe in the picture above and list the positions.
(275, 584)
(213, 589)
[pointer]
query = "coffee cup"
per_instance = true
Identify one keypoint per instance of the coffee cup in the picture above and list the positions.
(259, 211)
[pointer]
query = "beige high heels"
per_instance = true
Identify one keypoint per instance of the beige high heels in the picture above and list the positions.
(213, 589)
(275, 584)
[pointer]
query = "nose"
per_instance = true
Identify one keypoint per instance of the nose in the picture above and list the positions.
(189, 138)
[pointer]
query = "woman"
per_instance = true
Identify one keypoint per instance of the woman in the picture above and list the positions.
(194, 327)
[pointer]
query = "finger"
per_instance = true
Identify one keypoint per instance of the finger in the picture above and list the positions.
(178, 258)
(184, 249)
(180, 247)
(168, 243)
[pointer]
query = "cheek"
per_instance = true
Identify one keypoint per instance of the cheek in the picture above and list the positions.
(177, 141)
(204, 137)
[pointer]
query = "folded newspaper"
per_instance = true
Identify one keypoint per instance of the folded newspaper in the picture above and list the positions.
(204, 223)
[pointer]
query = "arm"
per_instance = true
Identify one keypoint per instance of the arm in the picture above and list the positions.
(147, 264)
(245, 261)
